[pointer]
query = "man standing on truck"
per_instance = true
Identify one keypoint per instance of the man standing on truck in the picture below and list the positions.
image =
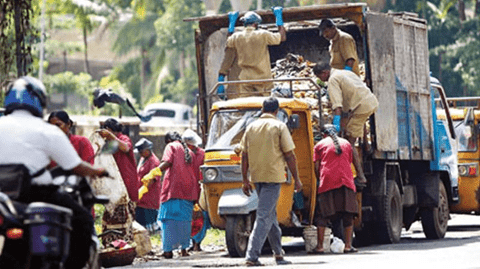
(266, 146)
(343, 50)
(348, 93)
(251, 51)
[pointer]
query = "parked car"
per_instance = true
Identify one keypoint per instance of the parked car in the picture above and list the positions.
(168, 114)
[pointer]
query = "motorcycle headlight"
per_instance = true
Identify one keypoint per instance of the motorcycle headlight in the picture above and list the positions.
(211, 174)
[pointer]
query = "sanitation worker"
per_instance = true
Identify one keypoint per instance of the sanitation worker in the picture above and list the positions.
(349, 94)
(250, 47)
(343, 50)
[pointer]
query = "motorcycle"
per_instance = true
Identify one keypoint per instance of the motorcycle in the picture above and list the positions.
(37, 234)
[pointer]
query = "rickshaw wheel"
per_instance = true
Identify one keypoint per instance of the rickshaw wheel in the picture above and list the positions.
(237, 233)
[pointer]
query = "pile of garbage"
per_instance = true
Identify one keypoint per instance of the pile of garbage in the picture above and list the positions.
(296, 66)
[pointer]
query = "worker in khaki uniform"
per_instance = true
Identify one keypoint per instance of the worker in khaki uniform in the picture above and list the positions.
(348, 93)
(343, 50)
(250, 48)
(266, 147)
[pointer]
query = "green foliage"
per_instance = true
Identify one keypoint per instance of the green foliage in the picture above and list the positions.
(177, 38)
(214, 237)
(136, 34)
(181, 89)
(172, 32)
(128, 75)
(114, 109)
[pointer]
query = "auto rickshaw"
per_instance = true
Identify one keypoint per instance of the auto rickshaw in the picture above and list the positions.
(227, 206)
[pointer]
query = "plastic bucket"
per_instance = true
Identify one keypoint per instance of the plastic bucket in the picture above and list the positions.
(310, 238)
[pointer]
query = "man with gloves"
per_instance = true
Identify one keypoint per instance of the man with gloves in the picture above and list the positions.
(348, 93)
(250, 49)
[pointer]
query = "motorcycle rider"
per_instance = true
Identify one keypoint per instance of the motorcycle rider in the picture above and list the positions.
(27, 139)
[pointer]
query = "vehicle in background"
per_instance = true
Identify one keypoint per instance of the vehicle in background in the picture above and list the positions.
(168, 114)
(465, 113)
(408, 156)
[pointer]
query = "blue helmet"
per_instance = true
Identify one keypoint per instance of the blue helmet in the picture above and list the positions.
(250, 18)
(26, 93)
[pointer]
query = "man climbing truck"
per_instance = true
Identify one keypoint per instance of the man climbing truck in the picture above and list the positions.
(409, 158)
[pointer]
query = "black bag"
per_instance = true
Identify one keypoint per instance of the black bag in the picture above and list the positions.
(15, 180)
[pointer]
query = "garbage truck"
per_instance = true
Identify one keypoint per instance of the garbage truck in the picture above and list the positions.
(409, 157)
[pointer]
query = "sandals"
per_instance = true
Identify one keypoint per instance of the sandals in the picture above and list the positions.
(314, 251)
(252, 263)
(167, 255)
(351, 250)
(184, 253)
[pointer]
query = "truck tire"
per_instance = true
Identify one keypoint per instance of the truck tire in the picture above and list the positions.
(390, 225)
(236, 234)
(364, 237)
(435, 220)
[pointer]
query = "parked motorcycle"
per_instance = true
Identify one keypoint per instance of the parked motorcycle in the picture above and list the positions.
(37, 234)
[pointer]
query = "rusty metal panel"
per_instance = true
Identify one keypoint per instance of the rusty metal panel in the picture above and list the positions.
(380, 38)
(413, 91)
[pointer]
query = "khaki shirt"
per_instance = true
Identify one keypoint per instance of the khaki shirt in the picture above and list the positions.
(347, 90)
(266, 140)
(251, 47)
(342, 48)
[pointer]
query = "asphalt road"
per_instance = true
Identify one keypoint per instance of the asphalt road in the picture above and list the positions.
(459, 249)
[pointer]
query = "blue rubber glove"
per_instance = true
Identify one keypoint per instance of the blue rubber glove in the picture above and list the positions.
(348, 68)
(232, 19)
(336, 122)
(277, 11)
(221, 88)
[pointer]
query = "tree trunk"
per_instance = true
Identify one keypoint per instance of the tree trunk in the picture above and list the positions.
(64, 61)
(85, 43)
(181, 64)
(142, 75)
(477, 8)
(461, 10)
(19, 39)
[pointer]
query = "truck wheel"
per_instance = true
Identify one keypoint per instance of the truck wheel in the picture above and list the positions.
(364, 237)
(237, 233)
(391, 221)
(435, 220)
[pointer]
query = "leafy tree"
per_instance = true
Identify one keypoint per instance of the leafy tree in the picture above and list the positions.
(176, 37)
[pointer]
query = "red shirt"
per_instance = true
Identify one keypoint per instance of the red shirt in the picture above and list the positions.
(151, 199)
(83, 147)
(128, 168)
(179, 180)
(335, 170)
(198, 161)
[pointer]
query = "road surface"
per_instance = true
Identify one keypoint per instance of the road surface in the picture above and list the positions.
(459, 249)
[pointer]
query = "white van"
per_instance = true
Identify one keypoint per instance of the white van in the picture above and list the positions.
(168, 114)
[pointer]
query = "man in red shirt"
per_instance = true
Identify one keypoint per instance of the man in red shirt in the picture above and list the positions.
(336, 196)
